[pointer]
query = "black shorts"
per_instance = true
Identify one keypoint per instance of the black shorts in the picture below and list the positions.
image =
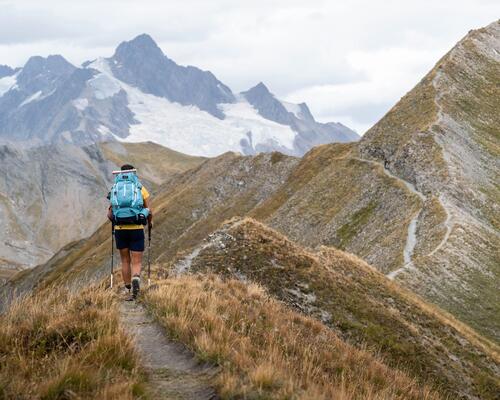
(132, 239)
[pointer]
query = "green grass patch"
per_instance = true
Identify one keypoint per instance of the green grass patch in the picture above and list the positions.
(351, 229)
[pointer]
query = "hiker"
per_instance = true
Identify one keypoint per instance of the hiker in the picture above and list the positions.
(129, 211)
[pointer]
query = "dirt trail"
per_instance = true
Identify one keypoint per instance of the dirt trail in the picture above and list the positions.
(412, 227)
(174, 372)
(411, 238)
(409, 185)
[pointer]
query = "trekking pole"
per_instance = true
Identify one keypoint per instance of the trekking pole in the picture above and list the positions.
(112, 251)
(149, 255)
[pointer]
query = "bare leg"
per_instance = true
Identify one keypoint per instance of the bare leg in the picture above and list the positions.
(136, 257)
(126, 273)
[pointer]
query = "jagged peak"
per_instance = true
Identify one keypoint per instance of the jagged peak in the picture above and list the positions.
(488, 38)
(52, 61)
(260, 88)
(142, 44)
(305, 112)
(52, 65)
(491, 28)
(143, 40)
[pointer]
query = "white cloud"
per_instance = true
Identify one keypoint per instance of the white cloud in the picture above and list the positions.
(352, 58)
(386, 76)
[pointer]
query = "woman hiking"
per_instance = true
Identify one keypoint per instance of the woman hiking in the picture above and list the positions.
(129, 212)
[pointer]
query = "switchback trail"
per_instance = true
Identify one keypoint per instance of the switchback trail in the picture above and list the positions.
(174, 372)
(411, 240)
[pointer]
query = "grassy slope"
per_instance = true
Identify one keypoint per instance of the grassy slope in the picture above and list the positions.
(192, 206)
(70, 346)
(267, 351)
(457, 110)
(156, 163)
(44, 217)
(400, 136)
(59, 345)
(332, 198)
(360, 304)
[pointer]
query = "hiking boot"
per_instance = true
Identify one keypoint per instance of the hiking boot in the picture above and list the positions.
(126, 292)
(136, 282)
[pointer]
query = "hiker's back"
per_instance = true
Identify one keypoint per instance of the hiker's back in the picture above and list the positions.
(127, 200)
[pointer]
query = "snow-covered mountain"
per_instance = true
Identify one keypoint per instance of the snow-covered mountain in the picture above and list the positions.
(140, 94)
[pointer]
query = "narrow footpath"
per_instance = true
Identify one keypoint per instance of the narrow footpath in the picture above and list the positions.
(411, 239)
(174, 372)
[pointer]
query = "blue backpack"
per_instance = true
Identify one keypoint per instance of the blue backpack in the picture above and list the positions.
(126, 200)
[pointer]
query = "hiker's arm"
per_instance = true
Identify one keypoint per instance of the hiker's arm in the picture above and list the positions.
(110, 211)
(150, 216)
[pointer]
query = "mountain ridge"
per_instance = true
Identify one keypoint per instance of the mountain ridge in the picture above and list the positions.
(347, 295)
(139, 94)
(453, 146)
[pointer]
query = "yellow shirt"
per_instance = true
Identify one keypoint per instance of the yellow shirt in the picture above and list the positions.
(145, 196)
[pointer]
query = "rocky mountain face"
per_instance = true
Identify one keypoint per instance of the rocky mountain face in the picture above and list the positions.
(36, 107)
(52, 195)
(267, 105)
(142, 64)
(139, 94)
(299, 118)
(5, 70)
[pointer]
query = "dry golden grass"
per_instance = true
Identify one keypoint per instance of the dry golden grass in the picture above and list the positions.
(490, 348)
(361, 305)
(58, 345)
(267, 351)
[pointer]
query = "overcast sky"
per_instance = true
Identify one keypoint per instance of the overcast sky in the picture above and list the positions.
(349, 60)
